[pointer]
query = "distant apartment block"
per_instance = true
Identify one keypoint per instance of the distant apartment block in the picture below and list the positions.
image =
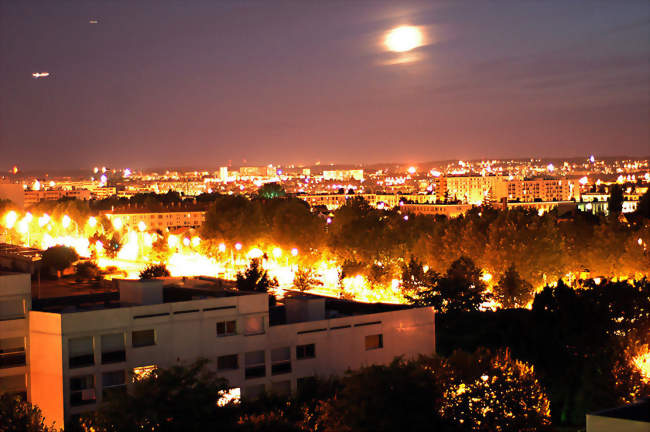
(334, 201)
(36, 196)
(343, 175)
(170, 218)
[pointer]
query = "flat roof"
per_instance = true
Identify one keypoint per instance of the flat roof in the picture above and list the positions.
(71, 297)
(637, 411)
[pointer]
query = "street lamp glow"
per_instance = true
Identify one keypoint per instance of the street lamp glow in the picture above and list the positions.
(186, 242)
(43, 220)
(277, 252)
(142, 226)
(66, 221)
(196, 241)
(172, 241)
(222, 247)
(294, 251)
(117, 223)
(92, 222)
(238, 246)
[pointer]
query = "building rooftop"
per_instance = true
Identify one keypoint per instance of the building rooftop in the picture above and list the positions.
(158, 291)
(637, 411)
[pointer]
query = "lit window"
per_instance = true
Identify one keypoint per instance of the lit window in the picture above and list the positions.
(142, 372)
(374, 342)
(254, 325)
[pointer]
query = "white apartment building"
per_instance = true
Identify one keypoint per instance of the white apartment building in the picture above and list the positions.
(81, 350)
(544, 190)
(169, 219)
(341, 175)
(471, 189)
(15, 303)
(387, 201)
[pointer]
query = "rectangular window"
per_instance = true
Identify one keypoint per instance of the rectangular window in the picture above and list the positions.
(11, 309)
(374, 342)
(113, 382)
(82, 390)
(254, 325)
(280, 361)
(281, 387)
(307, 385)
(12, 352)
(255, 364)
(226, 328)
(142, 338)
(228, 362)
(254, 391)
(305, 351)
(113, 348)
(81, 352)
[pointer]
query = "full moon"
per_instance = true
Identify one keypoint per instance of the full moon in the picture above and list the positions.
(403, 38)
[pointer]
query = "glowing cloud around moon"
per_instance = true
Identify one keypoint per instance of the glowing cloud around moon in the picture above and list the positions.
(403, 39)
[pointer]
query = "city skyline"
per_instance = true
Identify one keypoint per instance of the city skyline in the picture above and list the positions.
(202, 84)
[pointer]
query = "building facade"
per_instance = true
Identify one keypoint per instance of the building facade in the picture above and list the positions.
(69, 355)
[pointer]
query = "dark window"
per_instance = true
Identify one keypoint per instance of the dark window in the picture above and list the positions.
(141, 338)
(280, 361)
(12, 352)
(305, 351)
(82, 390)
(374, 342)
(307, 386)
(255, 364)
(228, 362)
(226, 328)
(113, 382)
(81, 352)
(113, 348)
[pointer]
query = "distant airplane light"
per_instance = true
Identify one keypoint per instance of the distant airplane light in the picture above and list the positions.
(40, 74)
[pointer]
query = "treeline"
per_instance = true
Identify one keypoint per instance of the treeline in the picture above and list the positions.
(366, 240)
(581, 340)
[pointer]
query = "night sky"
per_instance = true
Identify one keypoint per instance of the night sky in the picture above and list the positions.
(199, 83)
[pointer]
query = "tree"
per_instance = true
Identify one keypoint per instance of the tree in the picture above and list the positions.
(459, 289)
(18, 415)
(402, 396)
(271, 190)
(615, 200)
(87, 270)
(304, 279)
(255, 278)
(153, 271)
(179, 398)
(643, 207)
(160, 251)
(512, 291)
(59, 258)
(495, 393)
